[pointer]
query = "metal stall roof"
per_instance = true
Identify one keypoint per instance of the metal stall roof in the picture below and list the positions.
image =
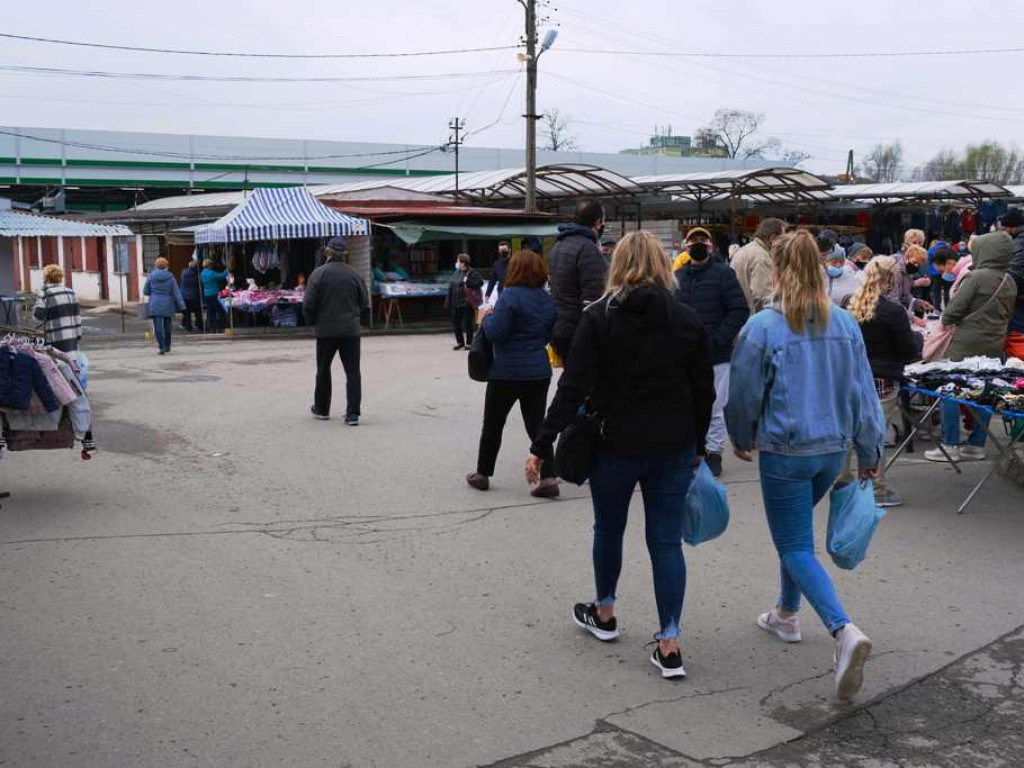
(909, 191)
(15, 224)
(766, 184)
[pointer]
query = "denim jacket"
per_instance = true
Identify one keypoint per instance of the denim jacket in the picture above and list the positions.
(804, 394)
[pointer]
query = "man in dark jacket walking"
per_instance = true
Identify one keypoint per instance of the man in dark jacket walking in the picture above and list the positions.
(336, 304)
(499, 270)
(578, 271)
(712, 290)
(193, 297)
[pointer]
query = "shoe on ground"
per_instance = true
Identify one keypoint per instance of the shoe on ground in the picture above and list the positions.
(671, 665)
(478, 481)
(457, 347)
(548, 489)
(317, 415)
(161, 352)
(853, 648)
(352, 420)
(888, 499)
(714, 462)
(936, 454)
(585, 616)
(787, 630)
(972, 453)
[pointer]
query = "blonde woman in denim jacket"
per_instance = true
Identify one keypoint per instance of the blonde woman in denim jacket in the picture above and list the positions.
(802, 393)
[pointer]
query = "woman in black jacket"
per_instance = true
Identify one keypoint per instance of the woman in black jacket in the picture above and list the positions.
(464, 296)
(890, 344)
(642, 360)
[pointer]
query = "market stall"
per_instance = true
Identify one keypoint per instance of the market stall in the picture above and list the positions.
(271, 242)
(981, 385)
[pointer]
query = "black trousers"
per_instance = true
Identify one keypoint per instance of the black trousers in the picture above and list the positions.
(347, 347)
(192, 311)
(501, 396)
(463, 322)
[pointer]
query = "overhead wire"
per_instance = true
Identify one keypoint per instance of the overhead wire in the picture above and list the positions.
(249, 55)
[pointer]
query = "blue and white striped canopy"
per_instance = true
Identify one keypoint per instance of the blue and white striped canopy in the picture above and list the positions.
(280, 214)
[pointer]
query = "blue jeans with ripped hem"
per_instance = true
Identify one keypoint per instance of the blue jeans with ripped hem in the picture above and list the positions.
(664, 481)
(791, 486)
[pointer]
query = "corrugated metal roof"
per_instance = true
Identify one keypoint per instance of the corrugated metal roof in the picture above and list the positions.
(207, 200)
(916, 190)
(15, 224)
(768, 184)
(1017, 192)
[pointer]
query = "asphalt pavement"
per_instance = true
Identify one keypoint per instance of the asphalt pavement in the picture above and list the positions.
(232, 583)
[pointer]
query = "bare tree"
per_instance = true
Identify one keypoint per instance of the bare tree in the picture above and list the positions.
(988, 161)
(793, 157)
(556, 131)
(885, 162)
(737, 131)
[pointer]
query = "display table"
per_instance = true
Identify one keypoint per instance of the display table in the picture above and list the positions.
(263, 302)
(1007, 452)
(390, 296)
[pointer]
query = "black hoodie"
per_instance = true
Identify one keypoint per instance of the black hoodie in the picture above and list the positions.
(645, 364)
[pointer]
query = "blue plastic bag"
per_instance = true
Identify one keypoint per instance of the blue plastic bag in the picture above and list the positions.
(852, 519)
(706, 509)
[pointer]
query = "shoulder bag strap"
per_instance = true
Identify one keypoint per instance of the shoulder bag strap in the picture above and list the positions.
(991, 298)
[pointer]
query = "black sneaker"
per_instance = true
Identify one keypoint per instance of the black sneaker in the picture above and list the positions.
(352, 420)
(714, 462)
(671, 665)
(585, 616)
(317, 415)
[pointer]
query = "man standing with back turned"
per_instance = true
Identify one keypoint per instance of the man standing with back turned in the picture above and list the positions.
(577, 271)
(753, 264)
(335, 305)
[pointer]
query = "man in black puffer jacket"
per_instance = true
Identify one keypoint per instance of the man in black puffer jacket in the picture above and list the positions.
(577, 271)
(712, 290)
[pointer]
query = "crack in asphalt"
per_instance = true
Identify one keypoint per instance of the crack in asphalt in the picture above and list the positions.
(684, 697)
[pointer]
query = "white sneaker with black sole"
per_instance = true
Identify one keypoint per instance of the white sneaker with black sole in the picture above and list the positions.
(585, 616)
(671, 665)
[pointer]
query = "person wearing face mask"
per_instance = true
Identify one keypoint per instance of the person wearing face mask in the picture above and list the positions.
(500, 269)
(464, 296)
(909, 261)
(859, 254)
(843, 277)
(943, 261)
(710, 289)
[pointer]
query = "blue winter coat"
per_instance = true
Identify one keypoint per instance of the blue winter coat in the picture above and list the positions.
(20, 376)
(520, 329)
(164, 296)
(190, 284)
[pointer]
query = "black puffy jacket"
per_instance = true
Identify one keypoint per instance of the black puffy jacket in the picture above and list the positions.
(644, 364)
(576, 274)
(713, 291)
(890, 341)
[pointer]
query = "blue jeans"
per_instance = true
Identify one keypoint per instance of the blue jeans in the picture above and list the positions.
(951, 426)
(162, 329)
(791, 486)
(664, 481)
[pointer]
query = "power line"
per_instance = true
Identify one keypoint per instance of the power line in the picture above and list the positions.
(239, 78)
(185, 52)
(202, 156)
(719, 55)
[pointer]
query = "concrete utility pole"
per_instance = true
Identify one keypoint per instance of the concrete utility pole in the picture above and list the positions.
(456, 126)
(531, 104)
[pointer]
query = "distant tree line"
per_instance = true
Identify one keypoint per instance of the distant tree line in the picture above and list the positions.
(988, 161)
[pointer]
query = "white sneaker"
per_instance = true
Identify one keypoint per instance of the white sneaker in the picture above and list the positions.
(972, 453)
(787, 630)
(852, 650)
(936, 454)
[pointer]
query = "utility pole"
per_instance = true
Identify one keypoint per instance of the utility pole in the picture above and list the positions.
(456, 126)
(531, 104)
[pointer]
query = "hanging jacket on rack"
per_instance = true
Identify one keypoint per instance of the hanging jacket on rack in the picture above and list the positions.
(20, 376)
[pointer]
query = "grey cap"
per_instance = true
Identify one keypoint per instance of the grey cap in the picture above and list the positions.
(337, 244)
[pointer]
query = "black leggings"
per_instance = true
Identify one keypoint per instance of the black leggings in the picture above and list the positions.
(501, 396)
(463, 320)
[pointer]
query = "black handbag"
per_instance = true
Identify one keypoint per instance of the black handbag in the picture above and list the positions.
(481, 357)
(577, 448)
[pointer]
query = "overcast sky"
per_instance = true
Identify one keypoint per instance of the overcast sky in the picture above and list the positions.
(823, 107)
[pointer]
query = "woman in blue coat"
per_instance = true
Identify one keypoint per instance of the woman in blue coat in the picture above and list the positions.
(164, 301)
(519, 328)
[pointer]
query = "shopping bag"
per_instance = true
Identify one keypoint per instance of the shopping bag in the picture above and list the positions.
(936, 346)
(706, 509)
(852, 519)
(554, 358)
(577, 447)
(481, 357)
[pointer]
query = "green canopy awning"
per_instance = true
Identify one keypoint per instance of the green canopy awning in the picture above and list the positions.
(413, 231)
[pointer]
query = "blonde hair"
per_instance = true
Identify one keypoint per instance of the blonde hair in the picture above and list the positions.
(161, 263)
(916, 250)
(913, 234)
(800, 282)
(639, 259)
(53, 274)
(879, 276)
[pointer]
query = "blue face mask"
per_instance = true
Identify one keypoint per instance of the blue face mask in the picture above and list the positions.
(949, 277)
(834, 272)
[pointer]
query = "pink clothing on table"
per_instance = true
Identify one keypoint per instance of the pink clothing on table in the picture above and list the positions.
(61, 388)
